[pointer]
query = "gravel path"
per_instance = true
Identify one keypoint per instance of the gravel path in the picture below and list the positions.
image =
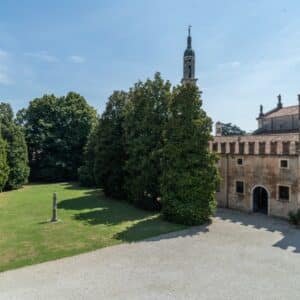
(238, 256)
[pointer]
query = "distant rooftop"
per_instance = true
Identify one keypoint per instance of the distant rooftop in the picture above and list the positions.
(284, 111)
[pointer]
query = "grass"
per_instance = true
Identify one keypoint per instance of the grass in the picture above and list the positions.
(88, 221)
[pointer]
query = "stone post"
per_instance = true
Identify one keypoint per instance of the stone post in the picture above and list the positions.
(54, 208)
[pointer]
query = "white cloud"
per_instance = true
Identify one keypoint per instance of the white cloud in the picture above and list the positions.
(76, 59)
(42, 56)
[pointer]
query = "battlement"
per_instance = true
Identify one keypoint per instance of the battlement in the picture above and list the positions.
(268, 144)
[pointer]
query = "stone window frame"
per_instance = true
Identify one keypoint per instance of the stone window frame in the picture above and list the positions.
(262, 148)
(237, 161)
(223, 148)
(277, 192)
(288, 163)
(235, 187)
(286, 147)
(241, 148)
(273, 146)
(232, 147)
(251, 148)
(215, 146)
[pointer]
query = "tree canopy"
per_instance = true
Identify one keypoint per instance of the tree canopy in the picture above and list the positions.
(145, 117)
(151, 147)
(56, 131)
(17, 154)
(110, 152)
(4, 169)
(231, 129)
(189, 177)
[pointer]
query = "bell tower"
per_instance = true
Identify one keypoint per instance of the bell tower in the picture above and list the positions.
(189, 62)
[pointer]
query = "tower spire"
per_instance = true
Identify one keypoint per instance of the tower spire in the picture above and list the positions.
(189, 61)
(189, 38)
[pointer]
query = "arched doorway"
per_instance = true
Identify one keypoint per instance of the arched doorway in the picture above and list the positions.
(260, 200)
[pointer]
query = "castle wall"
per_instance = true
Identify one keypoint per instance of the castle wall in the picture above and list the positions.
(260, 166)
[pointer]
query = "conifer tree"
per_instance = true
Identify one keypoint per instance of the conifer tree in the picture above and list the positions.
(146, 116)
(189, 174)
(110, 154)
(86, 174)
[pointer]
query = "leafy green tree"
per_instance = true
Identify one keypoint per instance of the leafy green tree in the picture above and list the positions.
(4, 169)
(189, 174)
(110, 153)
(56, 131)
(86, 174)
(229, 129)
(145, 119)
(17, 155)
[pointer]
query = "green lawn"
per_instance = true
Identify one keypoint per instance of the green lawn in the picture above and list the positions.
(88, 221)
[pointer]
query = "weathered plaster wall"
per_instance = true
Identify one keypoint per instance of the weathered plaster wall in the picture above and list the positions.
(259, 170)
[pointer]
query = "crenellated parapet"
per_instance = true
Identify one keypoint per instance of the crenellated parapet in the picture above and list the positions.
(269, 144)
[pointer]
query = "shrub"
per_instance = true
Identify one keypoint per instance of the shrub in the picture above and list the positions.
(294, 217)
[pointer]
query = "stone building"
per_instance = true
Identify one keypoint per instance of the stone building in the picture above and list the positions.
(261, 171)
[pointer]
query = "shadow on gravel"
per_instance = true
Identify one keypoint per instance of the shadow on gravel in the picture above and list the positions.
(146, 228)
(291, 235)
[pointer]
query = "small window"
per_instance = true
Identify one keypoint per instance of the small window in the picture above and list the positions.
(297, 144)
(273, 147)
(262, 147)
(251, 147)
(240, 161)
(284, 163)
(215, 147)
(218, 188)
(239, 187)
(284, 193)
(232, 148)
(241, 148)
(223, 148)
(285, 147)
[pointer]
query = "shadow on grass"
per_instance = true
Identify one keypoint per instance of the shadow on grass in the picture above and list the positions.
(91, 199)
(291, 235)
(73, 185)
(97, 209)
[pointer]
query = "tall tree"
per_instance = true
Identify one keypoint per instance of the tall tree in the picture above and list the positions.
(56, 132)
(189, 176)
(17, 154)
(4, 169)
(110, 152)
(146, 116)
(86, 173)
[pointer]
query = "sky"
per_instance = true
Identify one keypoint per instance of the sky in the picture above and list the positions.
(247, 52)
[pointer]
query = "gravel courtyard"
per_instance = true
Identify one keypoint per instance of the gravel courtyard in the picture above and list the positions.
(238, 256)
